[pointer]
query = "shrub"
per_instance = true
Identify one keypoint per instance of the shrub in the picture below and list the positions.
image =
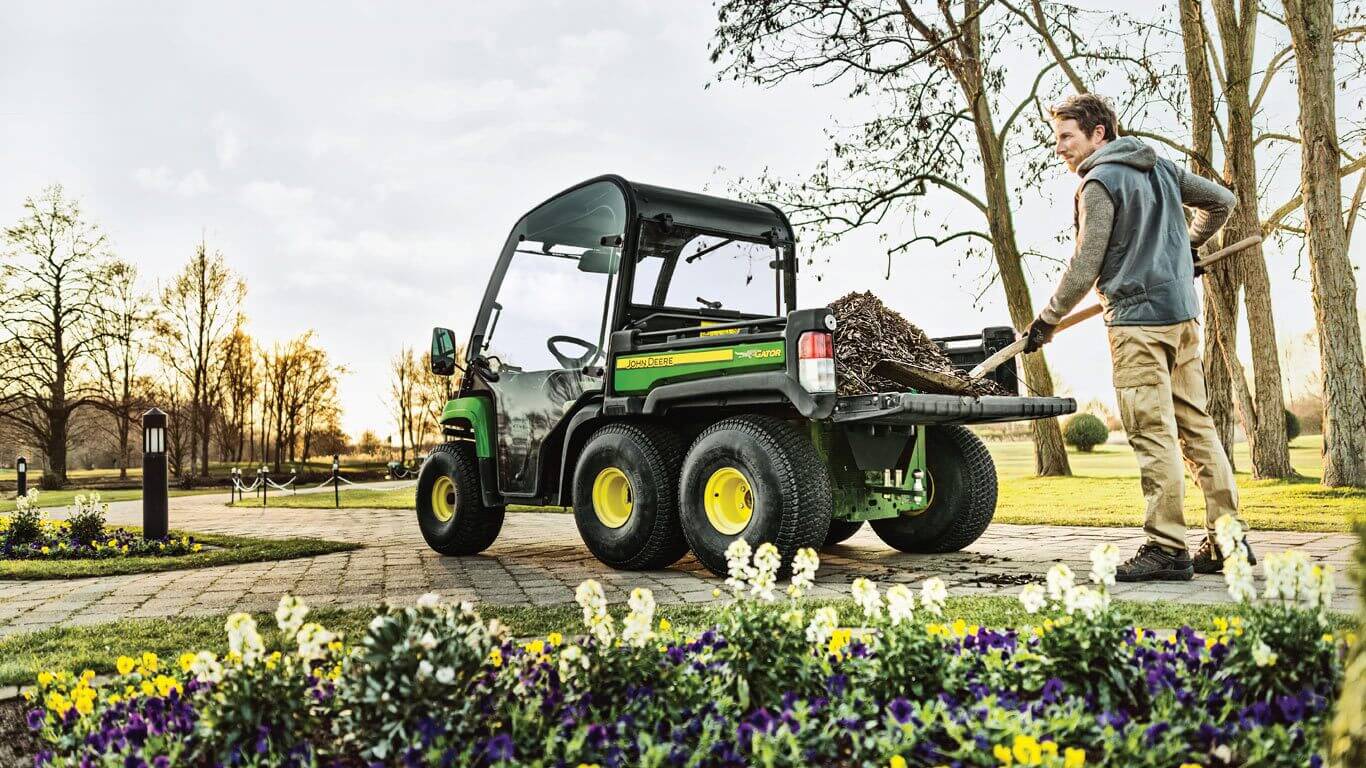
(1085, 432)
(86, 524)
(26, 524)
(1292, 426)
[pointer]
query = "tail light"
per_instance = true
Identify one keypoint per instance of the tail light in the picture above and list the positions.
(816, 362)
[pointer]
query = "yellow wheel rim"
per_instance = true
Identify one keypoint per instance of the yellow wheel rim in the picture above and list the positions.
(612, 497)
(729, 500)
(443, 499)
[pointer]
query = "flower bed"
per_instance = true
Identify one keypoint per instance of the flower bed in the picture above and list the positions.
(773, 683)
(27, 535)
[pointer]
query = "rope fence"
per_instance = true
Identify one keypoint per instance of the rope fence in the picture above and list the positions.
(262, 483)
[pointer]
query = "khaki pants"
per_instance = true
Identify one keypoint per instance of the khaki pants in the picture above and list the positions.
(1160, 386)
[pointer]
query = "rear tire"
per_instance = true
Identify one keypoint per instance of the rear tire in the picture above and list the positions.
(841, 530)
(962, 484)
(785, 490)
(450, 506)
(626, 496)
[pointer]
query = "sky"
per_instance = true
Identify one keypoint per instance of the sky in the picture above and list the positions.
(360, 164)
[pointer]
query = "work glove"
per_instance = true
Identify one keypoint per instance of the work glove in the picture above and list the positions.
(1038, 334)
(1195, 257)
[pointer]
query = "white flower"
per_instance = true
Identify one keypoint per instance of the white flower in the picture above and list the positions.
(1284, 574)
(589, 595)
(867, 597)
(932, 595)
(793, 616)
(571, 659)
(1032, 598)
(425, 669)
(313, 641)
(900, 603)
(1085, 600)
(1060, 579)
(737, 564)
(1228, 534)
(1104, 560)
(764, 576)
(378, 622)
(822, 625)
(804, 566)
(1318, 591)
(429, 600)
(427, 641)
(206, 668)
(1262, 655)
(290, 614)
(1238, 577)
(637, 628)
(445, 675)
(243, 639)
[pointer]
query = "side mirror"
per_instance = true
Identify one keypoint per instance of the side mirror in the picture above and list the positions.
(599, 261)
(443, 352)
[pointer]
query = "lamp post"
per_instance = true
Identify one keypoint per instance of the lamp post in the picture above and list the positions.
(336, 481)
(21, 473)
(154, 475)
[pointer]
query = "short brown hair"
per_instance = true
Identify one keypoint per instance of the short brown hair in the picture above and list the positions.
(1089, 110)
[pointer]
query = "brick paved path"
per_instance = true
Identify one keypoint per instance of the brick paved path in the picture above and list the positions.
(539, 559)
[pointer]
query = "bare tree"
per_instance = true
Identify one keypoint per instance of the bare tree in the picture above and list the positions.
(939, 86)
(49, 322)
(240, 387)
(124, 321)
(1334, 286)
(198, 309)
(402, 399)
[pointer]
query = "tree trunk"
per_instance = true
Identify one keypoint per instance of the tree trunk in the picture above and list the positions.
(1270, 452)
(1050, 453)
(1201, 88)
(1330, 271)
(54, 474)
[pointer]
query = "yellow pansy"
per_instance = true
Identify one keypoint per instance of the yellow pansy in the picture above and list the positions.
(149, 661)
(1328, 637)
(1074, 758)
(960, 627)
(1050, 748)
(165, 685)
(186, 661)
(1221, 624)
(58, 703)
(897, 761)
(45, 679)
(1002, 753)
(147, 688)
(664, 625)
(555, 638)
(496, 657)
(197, 548)
(535, 647)
(1026, 750)
(1191, 765)
(46, 550)
(1138, 634)
(124, 665)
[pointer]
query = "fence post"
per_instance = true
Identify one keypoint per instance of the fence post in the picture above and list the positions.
(232, 485)
(21, 472)
(336, 481)
(154, 475)
(265, 482)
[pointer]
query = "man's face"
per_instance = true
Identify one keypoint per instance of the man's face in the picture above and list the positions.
(1072, 144)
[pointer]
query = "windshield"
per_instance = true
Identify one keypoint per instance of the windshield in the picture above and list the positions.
(686, 268)
(553, 298)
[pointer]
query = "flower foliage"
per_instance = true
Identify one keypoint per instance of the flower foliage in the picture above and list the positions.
(775, 682)
(27, 535)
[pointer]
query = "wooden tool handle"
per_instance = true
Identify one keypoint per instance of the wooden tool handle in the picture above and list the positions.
(1226, 251)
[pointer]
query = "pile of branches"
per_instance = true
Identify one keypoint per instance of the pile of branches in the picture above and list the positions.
(867, 331)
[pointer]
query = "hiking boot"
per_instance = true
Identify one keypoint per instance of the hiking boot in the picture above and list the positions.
(1154, 563)
(1208, 558)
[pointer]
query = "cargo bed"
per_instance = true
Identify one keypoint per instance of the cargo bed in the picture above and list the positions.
(917, 408)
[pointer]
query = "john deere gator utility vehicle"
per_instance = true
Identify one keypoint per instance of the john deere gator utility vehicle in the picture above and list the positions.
(639, 355)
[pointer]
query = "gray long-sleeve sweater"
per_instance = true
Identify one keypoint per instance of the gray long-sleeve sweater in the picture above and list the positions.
(1096, 214)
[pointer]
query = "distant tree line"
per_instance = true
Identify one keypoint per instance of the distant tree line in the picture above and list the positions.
(85, 349)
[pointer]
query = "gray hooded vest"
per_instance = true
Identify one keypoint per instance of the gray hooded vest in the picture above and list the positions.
(1147, 277)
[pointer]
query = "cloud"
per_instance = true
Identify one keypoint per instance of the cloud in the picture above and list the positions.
(275, 198)
(162, 179)
(227, 144)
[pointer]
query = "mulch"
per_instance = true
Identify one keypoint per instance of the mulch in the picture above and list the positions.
(867, 331)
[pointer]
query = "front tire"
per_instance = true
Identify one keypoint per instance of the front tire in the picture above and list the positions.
(450, 506)
(755, 478)
(962, 485)
(626, 496)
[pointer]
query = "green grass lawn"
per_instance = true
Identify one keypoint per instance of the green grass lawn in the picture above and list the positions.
(1103, 491)
(218, 550)
(97, 647)
(63, 497)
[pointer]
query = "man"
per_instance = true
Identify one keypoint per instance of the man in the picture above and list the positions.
(1133, 245)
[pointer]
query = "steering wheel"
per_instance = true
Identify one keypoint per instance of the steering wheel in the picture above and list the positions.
(566, 361)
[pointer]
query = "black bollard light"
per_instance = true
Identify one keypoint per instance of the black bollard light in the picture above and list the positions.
(232, 485)
(336, 480)
(21, 472)
(154, 475)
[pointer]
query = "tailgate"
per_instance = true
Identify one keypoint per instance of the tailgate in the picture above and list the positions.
(917, 408)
